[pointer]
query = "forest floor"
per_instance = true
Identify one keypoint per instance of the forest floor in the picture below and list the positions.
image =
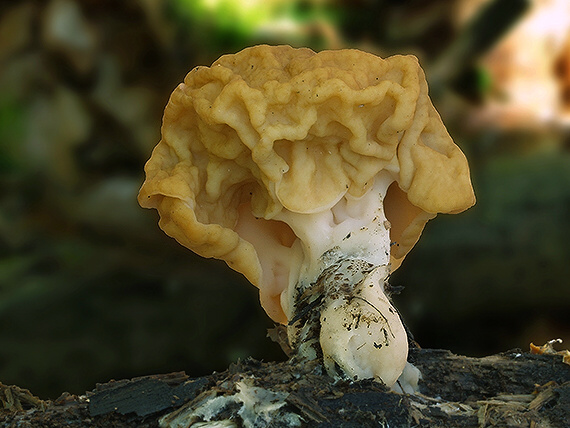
(511, 389)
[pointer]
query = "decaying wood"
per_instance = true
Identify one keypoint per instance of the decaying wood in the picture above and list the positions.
(510, 389)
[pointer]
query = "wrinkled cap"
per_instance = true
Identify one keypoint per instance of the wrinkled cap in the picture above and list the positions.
(274, 128)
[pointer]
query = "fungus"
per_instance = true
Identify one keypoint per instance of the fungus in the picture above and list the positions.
(312, 174)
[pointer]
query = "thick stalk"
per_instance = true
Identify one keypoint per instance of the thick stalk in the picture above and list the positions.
(335, 302)
(347, 320)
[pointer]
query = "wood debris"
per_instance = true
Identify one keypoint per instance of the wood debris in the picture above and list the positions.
(509, 389)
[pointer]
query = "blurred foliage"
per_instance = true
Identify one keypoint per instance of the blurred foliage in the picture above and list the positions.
(91, 289)
(11, 132)
(228, 24)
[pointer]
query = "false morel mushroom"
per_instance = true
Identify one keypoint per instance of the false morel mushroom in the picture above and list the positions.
(312, 174)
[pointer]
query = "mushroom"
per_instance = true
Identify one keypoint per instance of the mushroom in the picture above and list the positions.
(312, 174)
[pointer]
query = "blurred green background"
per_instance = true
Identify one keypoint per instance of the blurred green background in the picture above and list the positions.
(91, 289)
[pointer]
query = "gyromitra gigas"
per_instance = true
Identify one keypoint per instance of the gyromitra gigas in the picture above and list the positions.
(313, 174)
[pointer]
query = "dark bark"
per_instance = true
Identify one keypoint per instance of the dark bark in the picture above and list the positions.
(510, 389)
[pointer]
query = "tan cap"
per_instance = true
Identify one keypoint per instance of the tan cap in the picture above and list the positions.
(274, 128)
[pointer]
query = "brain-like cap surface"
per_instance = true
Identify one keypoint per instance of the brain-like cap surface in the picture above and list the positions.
(275, 128)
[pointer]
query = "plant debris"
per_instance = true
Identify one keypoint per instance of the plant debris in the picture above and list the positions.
(548, 349)
(509, 389)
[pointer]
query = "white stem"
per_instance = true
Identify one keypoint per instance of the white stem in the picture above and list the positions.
(361, 332)
(336, 302)
(353, 228)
